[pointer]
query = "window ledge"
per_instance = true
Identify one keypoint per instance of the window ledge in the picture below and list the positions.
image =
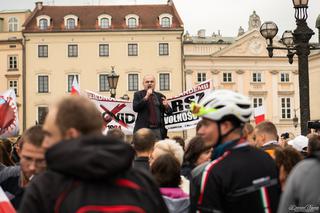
(43, 93)
(257, 83)
(13, 69)
(230, 83)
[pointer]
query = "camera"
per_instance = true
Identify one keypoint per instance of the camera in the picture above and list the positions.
(285, 135)
(314, 125)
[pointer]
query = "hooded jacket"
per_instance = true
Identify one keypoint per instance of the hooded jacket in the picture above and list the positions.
(177, 201)
(91, 171)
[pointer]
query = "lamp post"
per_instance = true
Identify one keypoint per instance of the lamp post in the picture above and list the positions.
(125, 97)
(297, 43)
(295, 119)
(113, 82)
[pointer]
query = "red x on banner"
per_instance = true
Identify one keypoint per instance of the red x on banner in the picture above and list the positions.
(111, 115)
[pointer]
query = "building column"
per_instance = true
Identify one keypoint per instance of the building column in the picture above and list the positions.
(215, 78)
(189, 79)
(240, 80)
(274, 97)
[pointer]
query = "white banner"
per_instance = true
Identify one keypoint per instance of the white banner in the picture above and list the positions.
(9, 122)
(119, 113)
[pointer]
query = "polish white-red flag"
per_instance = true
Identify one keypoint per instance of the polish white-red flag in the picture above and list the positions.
(259, 114)
(5, 205)
(9, 122)
(75, 89)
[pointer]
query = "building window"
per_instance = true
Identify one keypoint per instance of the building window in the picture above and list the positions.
(164, 81)
(104, 23)
(43, 84)
(165, 22)
(284, 77)
(42, 113)
(132, 22)
(133, 82)
(42, 51)
(257, 102)
(227, 77)
(163, 49)
(43, 24)
(13, 24)
(13, 84)
(201, 76)
(286, 108)
(71, 23)
(70, 80)
(72, 50)
(132, 49)
(12, 62)
(256, 77)
(103, 83)
(103, 50)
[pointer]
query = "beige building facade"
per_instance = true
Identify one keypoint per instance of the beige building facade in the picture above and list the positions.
(314, 77)
(242, 64)
(12, 55)
(83, 42)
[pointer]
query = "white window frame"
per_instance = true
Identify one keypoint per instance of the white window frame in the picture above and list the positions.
(103, 16)
(108, 47)
(37, 111)
(70, 17)
(135, 73)
(256, 81)
(286, 74)
(137, 49)
(100, 82)
(170, 85)
(45, 56)
(227, 73)
(165, 15)
(16, 87)
(132, 16)
(67, 81)
(13, 24)
(38, 86)
(168, 49)
(16, 62)
(201, 76)
(43, 17)
(258, 100)
(75, 56)
(286, 107)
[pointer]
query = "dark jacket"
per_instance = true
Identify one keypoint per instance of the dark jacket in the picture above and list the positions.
(91, 171)
(141, 163)
(141, 107)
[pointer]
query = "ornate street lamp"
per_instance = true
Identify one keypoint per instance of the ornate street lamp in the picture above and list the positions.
(113, 82)
(296, 43)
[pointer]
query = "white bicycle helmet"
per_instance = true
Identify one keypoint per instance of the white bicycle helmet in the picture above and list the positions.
(220, 103)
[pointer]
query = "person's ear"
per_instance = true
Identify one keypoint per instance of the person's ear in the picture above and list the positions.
(72, 133)
(226, 126)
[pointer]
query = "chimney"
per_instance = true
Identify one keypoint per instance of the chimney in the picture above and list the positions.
(39, 5)
(202, 33)
(170, 2)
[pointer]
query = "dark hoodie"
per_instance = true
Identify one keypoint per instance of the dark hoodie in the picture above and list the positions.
(84, 172)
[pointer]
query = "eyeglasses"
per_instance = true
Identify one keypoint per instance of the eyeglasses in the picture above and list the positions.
(149, 82)
(37, 162)
(199, 110)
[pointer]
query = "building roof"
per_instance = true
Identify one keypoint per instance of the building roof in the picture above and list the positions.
(14, 11)
(88, 16)
(209, 40)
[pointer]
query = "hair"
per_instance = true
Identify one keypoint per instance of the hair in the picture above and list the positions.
(116, 133)
(179, 140)
(268, 128)
(199, 125)
(194, 149)
(169, 146)
(80, 113)
(4, 155)
(287, 157)
(143, 140)
(166, 171)
(34, 135)
(314, 143)
(7, 144)
(247, 129)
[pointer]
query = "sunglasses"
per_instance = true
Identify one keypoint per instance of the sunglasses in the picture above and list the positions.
(199, 110)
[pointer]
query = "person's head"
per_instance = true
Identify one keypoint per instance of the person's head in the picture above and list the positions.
(166, 171)
(223, 113)
(248, 133)
(300, 143)
(314, 143)
(32, 159)
(149, 82)
(4, 155)
(143, 141)
(7, 145)
(179, 140)
(167, 146)
(197, 152)
(286, 159)
(199, 125)
(116, 133)
(264, 132)
(70, 118)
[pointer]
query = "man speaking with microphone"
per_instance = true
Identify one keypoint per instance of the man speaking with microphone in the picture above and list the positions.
(151, 106)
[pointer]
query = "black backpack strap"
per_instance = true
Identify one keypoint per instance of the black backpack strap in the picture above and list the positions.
(64, 194)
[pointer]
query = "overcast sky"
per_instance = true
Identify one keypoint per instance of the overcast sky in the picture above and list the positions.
(212, 15)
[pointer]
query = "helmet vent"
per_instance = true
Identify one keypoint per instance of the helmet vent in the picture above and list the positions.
(243, 106)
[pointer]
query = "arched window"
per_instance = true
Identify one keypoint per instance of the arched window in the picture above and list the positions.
(165, 22)
(43, 24)
(71, 23)
(104, 23)
(132, 22)
(13, 24)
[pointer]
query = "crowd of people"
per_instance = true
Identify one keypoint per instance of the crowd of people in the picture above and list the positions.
(68, 165)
